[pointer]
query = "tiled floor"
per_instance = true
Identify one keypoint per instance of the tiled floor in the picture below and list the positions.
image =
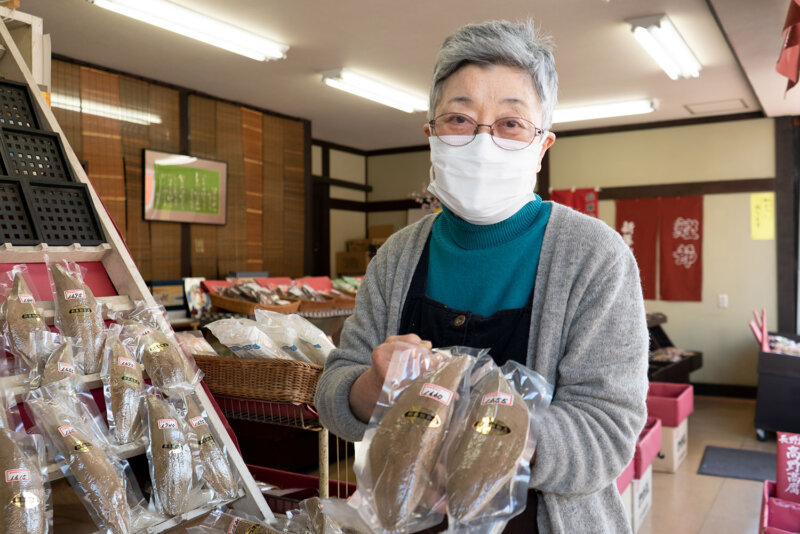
(688, 503)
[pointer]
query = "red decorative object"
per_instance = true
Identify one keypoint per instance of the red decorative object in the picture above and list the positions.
(681, 248)
(637, 221)
(789, 58)
(582, 200)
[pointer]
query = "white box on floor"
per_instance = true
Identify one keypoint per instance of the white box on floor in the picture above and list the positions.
(642, 498)
(674, 446)
(627, 502)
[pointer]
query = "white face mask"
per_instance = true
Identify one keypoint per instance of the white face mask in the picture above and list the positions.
(481, 182)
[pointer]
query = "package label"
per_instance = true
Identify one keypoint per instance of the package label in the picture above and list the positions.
(506, 399)
(71, 294)
(66, 368)
(438, 393)
(18, 475)
(25, 298)
(126, 362)
(168, 424)
(66, 430)
(197, 421)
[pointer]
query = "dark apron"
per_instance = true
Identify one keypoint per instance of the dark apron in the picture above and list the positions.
(505, 333)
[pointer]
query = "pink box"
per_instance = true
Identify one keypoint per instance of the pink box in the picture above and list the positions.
(624, 479)
(317, 283)
(778, 516)
(273, 282)
(647, 447)
(672, 403)
(788, 477)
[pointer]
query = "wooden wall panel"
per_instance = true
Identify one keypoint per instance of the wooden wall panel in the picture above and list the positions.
(135, 95)
(252, 150)
(202, 143)
(102, 141)
(231, 238)
(272, 235)
(294, 198)
(66, 84)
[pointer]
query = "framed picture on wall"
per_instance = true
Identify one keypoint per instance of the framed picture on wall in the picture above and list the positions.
(180, 188)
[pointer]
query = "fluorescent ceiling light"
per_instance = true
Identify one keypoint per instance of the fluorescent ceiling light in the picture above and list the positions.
(359, 85)
(661, 40)
(192, 24)
(603, 111)
(70, 103)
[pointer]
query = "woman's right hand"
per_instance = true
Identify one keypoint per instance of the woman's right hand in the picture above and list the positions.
(367, 387)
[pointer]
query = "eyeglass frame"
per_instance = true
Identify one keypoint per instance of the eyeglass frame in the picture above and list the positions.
(538, 131)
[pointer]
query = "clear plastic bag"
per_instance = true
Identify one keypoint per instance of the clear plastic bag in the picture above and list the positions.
(488, 457)
(296, 335)
(246, 339)
(123, 389)
(308, 518)
(25, 504)
(211, 461)
(59, 364)
(169, 455)
(78, 314)
(21, 319)
(194, 344)
(400, 469)
(168, 367)
(220, 522)
(102, 480)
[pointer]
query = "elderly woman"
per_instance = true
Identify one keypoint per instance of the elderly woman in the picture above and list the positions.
(499, 268)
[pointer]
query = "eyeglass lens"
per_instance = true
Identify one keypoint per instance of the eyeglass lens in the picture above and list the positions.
(511, 133)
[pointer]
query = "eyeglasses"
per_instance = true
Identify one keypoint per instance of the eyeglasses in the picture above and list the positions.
(509, 133)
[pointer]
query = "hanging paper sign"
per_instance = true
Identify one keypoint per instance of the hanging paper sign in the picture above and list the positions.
(762, 216)
(637, 222)
(681, 248)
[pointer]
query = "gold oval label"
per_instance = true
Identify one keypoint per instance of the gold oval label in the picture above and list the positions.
(208, 438)
(490, 425)
(26, 499)
(80, 311)
(173, 447)
(31, 316)
(252, 530)
(130, 380)
(82, 446)
(155, 348)
(424, 417)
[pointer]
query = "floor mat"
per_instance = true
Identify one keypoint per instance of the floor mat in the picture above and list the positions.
(738, 463)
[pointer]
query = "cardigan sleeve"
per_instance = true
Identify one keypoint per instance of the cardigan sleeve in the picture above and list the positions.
(587, 436)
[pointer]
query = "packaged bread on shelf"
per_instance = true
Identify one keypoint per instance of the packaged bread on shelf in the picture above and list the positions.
(78, 314)
(22, 321)
(60, 364)
(25, 506)
(123, 389)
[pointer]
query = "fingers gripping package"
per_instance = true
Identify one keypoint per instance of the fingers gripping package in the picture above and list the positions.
(23, 321)
(488, 458)
(211, 458)
(78, 314)
(24, 489)
(170, 456)
(102, 480)
(123, 389)
(400, 476)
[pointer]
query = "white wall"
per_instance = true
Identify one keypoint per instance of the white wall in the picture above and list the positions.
(733, 264)
(346, 225)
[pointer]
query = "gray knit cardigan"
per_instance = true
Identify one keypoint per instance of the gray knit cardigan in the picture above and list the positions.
(588, 337)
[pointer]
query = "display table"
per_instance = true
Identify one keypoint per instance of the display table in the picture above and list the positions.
(669, 371)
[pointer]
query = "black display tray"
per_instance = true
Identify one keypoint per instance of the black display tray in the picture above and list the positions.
(34, 155)
(675, 371)
(17, 109)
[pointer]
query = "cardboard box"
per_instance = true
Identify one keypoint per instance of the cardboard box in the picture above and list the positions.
(647, 447)
(381, 230)
(642, 498)
(357, 245)
(351, 262)
(674, 447)
(627, 502)
(778, 516)
(625, 478)
(672, 403)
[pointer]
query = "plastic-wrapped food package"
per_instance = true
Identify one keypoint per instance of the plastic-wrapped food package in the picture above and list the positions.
(123, 389)
(25, 505)
(194, 344)
(298, 334)
(219, 522)
(308, 518)
(60, 364)
(211, 458)
(401, 475)
(170, 456)
(22, 321)
(78, 314)
(163, 360)
(245, 339)
(488, 458)
(102, 480)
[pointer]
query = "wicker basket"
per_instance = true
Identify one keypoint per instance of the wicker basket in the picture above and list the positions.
(245, 307)
(274, 380)
(317, 305)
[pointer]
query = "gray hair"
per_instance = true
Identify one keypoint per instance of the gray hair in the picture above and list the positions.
(500, 42)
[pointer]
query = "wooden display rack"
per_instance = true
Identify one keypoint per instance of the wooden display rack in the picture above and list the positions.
(127, 281)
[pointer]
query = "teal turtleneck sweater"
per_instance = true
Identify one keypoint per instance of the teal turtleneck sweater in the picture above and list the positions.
(485, 269)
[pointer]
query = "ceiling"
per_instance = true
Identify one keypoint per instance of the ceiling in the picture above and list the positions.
(597, 59)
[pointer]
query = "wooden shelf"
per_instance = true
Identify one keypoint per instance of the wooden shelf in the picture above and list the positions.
(36, 254)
